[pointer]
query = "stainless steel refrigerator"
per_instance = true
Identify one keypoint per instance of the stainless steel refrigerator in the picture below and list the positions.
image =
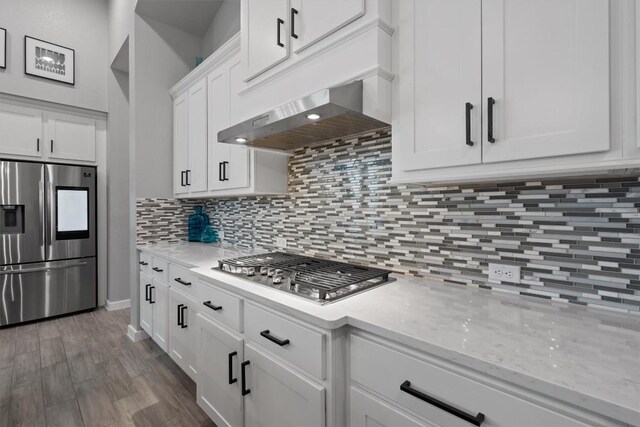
(47, 240)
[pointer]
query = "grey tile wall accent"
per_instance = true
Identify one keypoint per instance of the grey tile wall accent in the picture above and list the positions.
(577, 240)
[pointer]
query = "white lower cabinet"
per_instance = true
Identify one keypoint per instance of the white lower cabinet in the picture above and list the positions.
(367, 411)
(146, 309)
(278, 395)
(220, 353)
(183, 331)
(154, 296)
(438, 395)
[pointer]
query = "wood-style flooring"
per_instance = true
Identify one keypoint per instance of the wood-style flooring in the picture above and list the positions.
(83, 370)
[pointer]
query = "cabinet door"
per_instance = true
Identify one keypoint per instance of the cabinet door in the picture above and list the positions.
(439, 74)
(366, 411)
(219, 355)
(180, 143)
(197, 135)
(280, 396)
(160, 303)
(146, 309)
(71, 138)
(546, 65)
(265, 35)
(21, 131)
(312, 20)
(228, 164)
(182, 319)
(218, 99)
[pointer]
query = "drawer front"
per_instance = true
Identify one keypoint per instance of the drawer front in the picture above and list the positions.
(385, 370)
(299, 345)
(160, 270)
(220, 305)
(145, 262)
(182, 279)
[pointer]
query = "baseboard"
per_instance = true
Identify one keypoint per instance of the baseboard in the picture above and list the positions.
(136, 334)
(117, 305)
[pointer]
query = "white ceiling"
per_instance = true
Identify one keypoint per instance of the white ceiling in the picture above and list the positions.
(191, 16)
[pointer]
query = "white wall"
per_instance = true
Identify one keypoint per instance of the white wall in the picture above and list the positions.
(120, 24)
(225, 24)
(77, 24)
(161, 56)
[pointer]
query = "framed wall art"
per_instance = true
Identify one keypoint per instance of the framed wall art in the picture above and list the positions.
(3, 48)
(49, 61)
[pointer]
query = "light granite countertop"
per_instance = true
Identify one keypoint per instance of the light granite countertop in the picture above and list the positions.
(583, 356)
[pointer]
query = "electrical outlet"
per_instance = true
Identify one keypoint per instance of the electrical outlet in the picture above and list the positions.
(281, 242)
(221, 235)
(504, 273)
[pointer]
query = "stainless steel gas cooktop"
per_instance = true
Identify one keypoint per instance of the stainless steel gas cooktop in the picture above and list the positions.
(322, 281)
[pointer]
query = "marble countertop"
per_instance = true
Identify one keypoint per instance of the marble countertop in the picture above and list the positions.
(584, 356)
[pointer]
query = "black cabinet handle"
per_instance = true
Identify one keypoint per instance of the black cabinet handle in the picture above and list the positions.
(220, 171)
(180, 314)
(294, 12)
(467, 116)
(271, 338)
(224, 171)
(243, 367)
(280, 22)
(151, 301)
(231, 379)
(159, 270)
(38, 145)
(211, 306)
(182, 282)
(490, 103)
(181, 178)
(476, 420)
(52, 145)
(188, 177)
(146, 293)
(143, 263)
(182, 310)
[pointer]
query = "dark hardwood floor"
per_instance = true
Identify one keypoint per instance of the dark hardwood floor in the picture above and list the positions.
(82, 370)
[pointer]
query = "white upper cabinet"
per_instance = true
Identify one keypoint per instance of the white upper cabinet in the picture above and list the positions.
(71, 138)
(228, 164)
(638, 73)
(312, 20)
(499, 89)
(180, 143)
(265, 35)
(190, 173)
(21, 131)
(42, 135)
(546, 71)
(205, 102)
(197, 171)
(439, 113)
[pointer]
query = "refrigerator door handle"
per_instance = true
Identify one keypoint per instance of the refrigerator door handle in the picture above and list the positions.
(39, 269)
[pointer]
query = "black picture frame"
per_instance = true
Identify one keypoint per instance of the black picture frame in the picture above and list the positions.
(52, 77)
(3, 55)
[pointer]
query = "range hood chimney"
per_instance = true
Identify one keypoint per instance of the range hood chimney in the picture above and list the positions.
(324, 115)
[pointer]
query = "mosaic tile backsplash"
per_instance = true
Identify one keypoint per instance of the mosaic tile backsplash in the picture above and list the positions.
(577, 240)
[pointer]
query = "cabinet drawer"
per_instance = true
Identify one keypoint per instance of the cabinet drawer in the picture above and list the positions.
(181, 278)
(160, 269)
(145, 262)
(299, 345)
(220, 305)
(385, 370)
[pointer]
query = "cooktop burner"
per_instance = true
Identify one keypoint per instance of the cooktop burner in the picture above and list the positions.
(317, 279)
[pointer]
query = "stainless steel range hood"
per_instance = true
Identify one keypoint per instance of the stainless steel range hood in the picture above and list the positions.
(324, 115)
